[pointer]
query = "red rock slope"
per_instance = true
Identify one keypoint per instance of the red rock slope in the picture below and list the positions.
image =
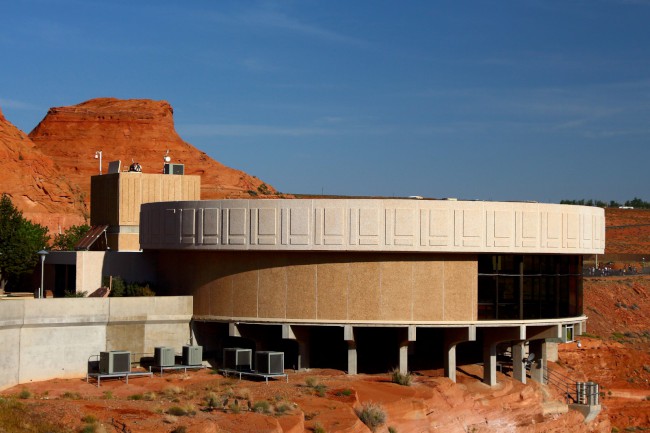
(627, 231)
(35, 184)
(141, 130)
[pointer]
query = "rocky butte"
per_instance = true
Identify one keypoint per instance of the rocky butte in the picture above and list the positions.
(48, 172)
(35, 183)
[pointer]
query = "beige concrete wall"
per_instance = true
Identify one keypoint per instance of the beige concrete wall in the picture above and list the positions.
(324, 287)
(93, 265)
(116, 198)
(374, 225)
(54, 338)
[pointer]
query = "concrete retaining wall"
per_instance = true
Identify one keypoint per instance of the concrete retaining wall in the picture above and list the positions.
(54, 338)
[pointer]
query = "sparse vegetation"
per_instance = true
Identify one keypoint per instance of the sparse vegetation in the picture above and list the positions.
(318, 428)
(180, 429)
(261, 406)
(372, 415)
(344, 392)
(24, 394)
(71, 395)
(392, 429)
(13, 415)
(400, 378)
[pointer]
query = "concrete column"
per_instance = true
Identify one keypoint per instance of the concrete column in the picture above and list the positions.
(489, 362)
(518, 365)
(492, 337)
(348, 336)
(352, 357)
(301, 336)
(454, 336)
(408, 336)
(538, 366)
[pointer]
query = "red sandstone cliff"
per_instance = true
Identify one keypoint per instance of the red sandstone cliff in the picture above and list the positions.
(141, 130)
(34, 182)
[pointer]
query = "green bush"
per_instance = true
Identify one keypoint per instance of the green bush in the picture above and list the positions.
(372, 415)
(89, 419)
(176, 411)
(318, 428)
(120, 288)
(24, 394)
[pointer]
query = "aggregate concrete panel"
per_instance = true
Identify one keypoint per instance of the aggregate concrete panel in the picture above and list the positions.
(428, 290)
(245, 293)
(272, 297)
(332, 289)
(396, 293)
(302, 295)
(460, 290)
(364, 290)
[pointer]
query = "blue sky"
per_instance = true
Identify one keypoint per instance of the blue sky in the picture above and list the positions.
(489, 100)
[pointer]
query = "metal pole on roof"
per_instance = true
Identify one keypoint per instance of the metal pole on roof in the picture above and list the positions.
(42, 253)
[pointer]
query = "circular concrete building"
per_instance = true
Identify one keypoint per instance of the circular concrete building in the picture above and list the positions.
(370, 283)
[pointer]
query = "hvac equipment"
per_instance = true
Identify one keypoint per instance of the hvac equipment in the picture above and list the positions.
(192, 355)
(164, 357)
(267, 362)
(236, 358)
(115, 361)
(174, 169)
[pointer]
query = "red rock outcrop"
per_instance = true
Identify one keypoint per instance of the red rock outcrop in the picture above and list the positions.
(139, 130)
(34, 182)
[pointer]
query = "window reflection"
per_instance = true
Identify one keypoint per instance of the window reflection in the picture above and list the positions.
(529, 286)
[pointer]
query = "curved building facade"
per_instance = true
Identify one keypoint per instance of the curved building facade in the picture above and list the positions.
(452, 271)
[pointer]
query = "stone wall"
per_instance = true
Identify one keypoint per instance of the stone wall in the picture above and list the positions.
(54, 338)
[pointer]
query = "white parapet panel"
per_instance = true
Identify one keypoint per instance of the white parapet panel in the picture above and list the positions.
(380, 225)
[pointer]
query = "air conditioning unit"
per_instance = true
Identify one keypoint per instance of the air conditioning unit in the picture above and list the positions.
(236, 358)
(269, 362)
(164, 357)
(174, 169)
(115, 361)
(192, 355)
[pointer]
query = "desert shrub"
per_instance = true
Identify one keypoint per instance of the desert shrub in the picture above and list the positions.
(212, 400)
(243, 393)
(234, 407)
(88, 428)
(311, 381)
(180, 429)
(261, 406)
(13, 414)
(344, 392)
(149, 396)
(107, 395)
(372, 415)
(135, 397)
(318, 428)
(320, 390)
(71, 395)
(400, 378)
(89, 419)
(181, 411)
(172, 391)
(24, 394)
(282, 408)
(392, 429)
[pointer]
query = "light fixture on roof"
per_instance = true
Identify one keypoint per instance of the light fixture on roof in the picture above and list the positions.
(167, 158)
(98, 155)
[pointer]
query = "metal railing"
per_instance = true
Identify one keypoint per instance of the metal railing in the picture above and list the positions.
(586, 393)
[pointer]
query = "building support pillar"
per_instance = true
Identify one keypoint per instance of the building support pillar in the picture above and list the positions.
(538, 350)
(348, 336)
(538, 364)
(492, 337)
(454, 336)
(301, 336)
(404, 346)
(518, 362)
